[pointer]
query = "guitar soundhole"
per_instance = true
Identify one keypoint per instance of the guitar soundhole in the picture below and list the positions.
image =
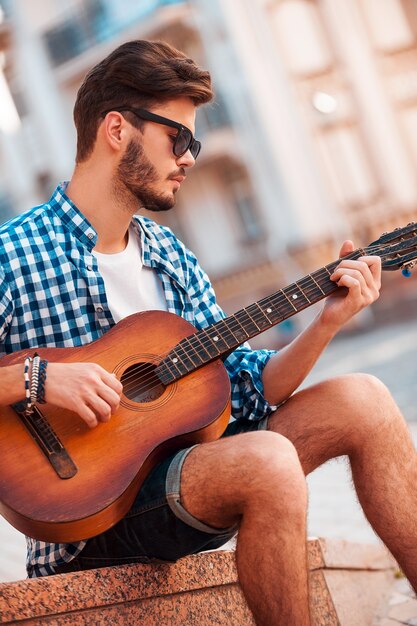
(141, 384)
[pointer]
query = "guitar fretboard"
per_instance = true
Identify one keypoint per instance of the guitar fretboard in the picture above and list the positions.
(224, 336)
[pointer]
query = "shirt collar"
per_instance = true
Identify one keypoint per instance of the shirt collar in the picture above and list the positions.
(72, 217)
(155, 254)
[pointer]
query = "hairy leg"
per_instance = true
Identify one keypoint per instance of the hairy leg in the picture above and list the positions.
(256, 480)
(355, 415)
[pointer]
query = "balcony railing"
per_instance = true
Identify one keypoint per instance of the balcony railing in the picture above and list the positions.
(94, 22)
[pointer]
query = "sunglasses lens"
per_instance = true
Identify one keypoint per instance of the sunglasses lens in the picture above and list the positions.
(185, 141)
(195, 148)
(182, 142)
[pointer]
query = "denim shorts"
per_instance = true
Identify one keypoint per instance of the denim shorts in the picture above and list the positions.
(157, 528)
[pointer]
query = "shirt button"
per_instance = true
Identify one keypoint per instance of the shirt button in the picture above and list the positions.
(99, 309)
(90, 268)
(90, 235)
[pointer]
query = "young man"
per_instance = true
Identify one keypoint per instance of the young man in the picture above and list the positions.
(73, 267)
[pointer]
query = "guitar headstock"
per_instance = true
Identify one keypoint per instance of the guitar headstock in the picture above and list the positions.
(397, 249)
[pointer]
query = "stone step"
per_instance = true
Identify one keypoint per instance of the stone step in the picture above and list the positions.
(348, 583)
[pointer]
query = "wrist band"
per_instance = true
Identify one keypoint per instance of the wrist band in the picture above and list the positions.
(34, 381)
(42, 379)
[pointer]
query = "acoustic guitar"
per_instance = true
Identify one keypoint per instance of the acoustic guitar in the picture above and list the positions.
(61, 481)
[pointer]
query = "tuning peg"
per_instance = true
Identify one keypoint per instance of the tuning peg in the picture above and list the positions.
(407, 267)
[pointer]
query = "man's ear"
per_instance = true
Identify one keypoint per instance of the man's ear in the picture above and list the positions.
(115, 130)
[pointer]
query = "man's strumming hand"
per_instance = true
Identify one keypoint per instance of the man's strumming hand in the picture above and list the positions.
(85, 388)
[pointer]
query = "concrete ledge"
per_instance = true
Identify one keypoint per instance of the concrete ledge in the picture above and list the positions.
(348, 582)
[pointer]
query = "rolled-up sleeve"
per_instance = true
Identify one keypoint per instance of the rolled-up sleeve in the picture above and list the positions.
(244, 365)
(245, 368)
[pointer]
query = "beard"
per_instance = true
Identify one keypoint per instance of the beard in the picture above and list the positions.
(135, 175)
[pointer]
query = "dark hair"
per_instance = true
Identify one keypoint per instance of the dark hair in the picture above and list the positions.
(138, 73)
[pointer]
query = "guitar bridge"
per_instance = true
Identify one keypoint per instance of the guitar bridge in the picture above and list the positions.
(47, 440)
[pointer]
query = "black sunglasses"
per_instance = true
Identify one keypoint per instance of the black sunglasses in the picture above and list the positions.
(183, 141)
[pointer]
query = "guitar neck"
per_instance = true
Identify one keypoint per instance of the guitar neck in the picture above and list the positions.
(224, 336)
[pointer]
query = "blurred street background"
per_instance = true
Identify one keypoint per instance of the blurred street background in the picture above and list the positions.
(312, 139)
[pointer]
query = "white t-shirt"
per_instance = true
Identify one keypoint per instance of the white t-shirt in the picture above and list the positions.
(130, 287)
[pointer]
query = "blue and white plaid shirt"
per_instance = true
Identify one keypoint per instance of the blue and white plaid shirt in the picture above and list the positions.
(52, 295)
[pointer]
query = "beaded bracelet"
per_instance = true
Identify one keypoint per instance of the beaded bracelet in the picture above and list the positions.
(42, 379)
(34, 378)
(29, 405)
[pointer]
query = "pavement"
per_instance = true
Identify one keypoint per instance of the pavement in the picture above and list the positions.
(388, 352)
(400, 608)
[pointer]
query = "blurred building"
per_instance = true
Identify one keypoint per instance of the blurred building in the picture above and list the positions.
(312, 138)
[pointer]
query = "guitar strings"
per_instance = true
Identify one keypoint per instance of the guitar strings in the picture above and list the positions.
(233, 325)
(199, 343)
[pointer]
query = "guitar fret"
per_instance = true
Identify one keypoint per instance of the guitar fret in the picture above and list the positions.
(196, 355)
(166, 364)
(184, 359)
(234, 340)
(292, 304)
(216, 337)
(259, 316)
(299, 293)
(264, 314)
(328, 285)
(204, 347)
(241, 329)
(252, 318)
(250, 321)
(272, 311)
(313, 279)
(174, 360)
(211, 346)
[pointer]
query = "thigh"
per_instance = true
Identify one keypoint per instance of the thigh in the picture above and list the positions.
(325, 420)
(221, 477)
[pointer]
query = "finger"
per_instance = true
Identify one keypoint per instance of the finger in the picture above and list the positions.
(356, 293)
(375, 267)
(352, 284)
(347, 248)
(359, 266)
(111, 397)
(100, 408)
(87, 415)
(339, 274)
(112, 381)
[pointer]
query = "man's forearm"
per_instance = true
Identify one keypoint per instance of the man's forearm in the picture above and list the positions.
(12, 388)
(286, 370)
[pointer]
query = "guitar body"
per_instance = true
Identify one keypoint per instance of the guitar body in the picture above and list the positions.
(113, 459)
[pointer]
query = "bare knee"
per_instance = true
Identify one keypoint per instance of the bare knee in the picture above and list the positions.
(223, 480)
(365, 402)
(370, 397)
(272, 471)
